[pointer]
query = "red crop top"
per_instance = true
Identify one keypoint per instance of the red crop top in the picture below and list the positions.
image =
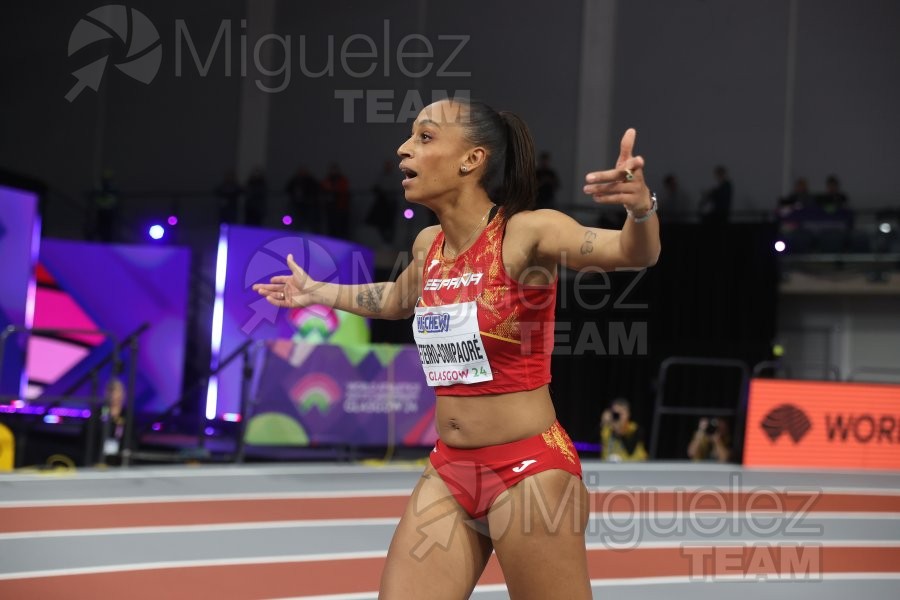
(515, 321)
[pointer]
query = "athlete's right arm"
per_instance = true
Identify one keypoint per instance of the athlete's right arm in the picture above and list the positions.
(383, 300)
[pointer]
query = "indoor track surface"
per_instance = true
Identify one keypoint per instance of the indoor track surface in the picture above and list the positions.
(657, 530)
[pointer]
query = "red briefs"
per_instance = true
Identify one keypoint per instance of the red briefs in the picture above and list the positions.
(476, 476)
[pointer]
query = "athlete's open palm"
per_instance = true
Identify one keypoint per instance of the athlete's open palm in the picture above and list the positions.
(289, 291)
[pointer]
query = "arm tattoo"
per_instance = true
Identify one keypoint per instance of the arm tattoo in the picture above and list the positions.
(588, 246)
(370, 298)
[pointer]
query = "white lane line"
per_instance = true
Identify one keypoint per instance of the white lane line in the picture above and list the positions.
(190, 564)
(337, 556)
(813, 515)
(891, 478)
(807, 542)
(808, 519)
(665, 467)
(358, 596)
(636, 581)
(187, 472)
(772, 577)
(404, 493)
(192, 529)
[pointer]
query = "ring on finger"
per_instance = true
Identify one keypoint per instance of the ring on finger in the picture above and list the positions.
(629, 176)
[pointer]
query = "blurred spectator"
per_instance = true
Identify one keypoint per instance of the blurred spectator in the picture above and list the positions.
(547, 182)
(798, 199)
(621, 439)
(820, 223)
(228, 193)
(711, 441)
(715, 208)
(337, 190)
(257, 197)
(673, 200)
(103, 210)
(834, 199)
(113, 416)
(303, 196)
(383, 213)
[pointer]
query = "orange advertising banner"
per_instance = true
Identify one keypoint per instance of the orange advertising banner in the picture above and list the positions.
(822, 424)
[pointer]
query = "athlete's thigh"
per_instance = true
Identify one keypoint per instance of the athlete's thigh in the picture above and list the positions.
(537, 528)
(435, 552)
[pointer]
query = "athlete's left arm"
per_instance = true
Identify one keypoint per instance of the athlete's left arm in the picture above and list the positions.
(563, 240)
(637, 245)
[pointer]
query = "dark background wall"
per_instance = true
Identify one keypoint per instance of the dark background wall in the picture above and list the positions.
(705, 83)
(181, 133)
(709, 82)
(174, 134)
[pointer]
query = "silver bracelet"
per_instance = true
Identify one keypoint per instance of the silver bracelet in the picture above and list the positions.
(647, 214)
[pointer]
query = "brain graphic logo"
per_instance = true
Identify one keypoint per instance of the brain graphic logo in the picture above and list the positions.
(142, 49)
(786, 418)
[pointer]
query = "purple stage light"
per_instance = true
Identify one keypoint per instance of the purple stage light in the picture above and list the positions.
(69, 413)
(172, 220)
(20, 242)
(156, 232)
(156, 427)
(287, 220)
(212, 386)
(408, 213)
(251, 253)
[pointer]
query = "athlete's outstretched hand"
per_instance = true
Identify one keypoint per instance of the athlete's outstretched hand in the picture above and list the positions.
(614, 186)
(289, 291)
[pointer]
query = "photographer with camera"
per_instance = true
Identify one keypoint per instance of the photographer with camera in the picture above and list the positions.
(620, 437)
(711, 441)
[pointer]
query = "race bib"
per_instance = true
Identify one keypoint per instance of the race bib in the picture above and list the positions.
(450, 344)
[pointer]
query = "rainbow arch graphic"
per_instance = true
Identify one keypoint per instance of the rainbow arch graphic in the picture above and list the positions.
(316, 390)
(315, 321)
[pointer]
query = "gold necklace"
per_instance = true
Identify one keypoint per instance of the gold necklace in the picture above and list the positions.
(477, 226)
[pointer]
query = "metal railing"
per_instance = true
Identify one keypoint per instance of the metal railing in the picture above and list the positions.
(878, 374)
(196, 387)
(661, 409)
(784, 370)
(94, 401)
